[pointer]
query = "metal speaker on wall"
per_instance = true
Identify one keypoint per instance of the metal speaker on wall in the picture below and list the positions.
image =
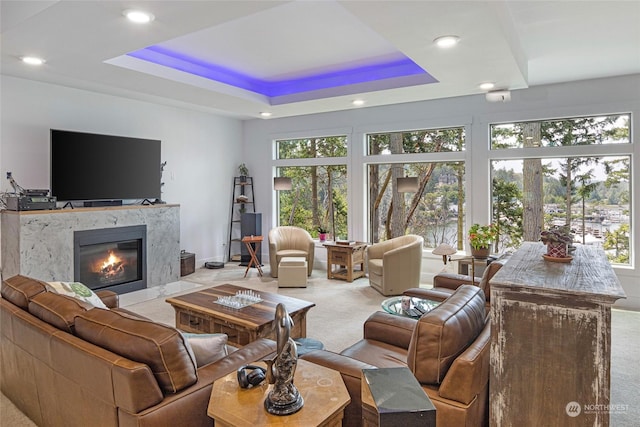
(408, 185)
(282, 183)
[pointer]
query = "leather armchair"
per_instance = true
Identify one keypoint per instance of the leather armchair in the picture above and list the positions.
(447, 350)
(289, 241)
(395, 264)
(445, 284)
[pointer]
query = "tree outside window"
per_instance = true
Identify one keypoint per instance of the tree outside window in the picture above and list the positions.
(590, 193)
(436, 210)
(318, 199)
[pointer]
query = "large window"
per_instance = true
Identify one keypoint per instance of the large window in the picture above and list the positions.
(318, 198)
(312, 148)
(434, 209)
(564, 183)
(416, 141)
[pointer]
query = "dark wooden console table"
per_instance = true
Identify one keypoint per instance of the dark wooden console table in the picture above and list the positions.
(551, 339)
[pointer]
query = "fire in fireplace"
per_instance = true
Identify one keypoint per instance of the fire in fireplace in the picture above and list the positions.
(111, 258)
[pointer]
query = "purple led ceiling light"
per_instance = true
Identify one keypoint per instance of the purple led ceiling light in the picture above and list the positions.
(404, 67)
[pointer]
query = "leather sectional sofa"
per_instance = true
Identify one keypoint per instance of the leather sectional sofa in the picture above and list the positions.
(66, 364)
(447, 350)
(445, 284)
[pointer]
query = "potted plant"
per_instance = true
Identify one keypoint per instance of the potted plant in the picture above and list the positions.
(480, 239)
(322, 233)
(244, 172)
(557, 238)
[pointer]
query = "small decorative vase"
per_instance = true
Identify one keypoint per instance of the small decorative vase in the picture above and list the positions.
(480, 253)
(322, 236)
(557, 249)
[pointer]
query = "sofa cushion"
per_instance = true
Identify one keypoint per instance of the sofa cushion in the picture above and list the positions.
(77, 290)
(19, 289)
(160, 347)
(445, 332)
(57, 310)
(207, 348)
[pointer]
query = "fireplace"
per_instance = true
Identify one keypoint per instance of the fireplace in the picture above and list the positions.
(112, 259)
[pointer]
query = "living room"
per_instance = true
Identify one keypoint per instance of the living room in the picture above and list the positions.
(204, 145)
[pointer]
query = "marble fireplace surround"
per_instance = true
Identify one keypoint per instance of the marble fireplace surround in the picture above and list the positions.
(39, 244)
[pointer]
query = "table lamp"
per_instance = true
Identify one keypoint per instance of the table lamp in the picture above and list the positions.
(445, 250)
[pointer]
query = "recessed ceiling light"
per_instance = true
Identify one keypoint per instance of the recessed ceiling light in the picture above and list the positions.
(487, 86)
(358, 102)
(446, 41)
(32, 60)
(265, 114)
(138, 16)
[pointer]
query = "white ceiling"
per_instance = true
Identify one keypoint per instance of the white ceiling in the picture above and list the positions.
(515, 44)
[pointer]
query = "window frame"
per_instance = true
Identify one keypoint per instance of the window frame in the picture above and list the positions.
(590, 150)
(367, 159)
(277, 163)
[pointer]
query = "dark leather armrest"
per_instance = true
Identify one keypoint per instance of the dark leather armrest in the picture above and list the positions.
(389, 328)
(109, 298)
(253, 352)
(433, 294)
(452, 280)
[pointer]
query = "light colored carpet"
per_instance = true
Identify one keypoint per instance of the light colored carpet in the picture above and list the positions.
(337, 319)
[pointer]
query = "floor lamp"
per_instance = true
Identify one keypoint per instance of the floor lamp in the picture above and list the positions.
(283, 183)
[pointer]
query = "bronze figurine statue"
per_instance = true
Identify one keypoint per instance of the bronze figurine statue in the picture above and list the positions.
(284, 398)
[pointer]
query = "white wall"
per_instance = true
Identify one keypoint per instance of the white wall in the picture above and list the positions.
(202, 150)
(614, 95)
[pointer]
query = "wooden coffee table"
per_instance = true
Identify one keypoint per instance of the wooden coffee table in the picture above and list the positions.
(197, 312)
(323, 390)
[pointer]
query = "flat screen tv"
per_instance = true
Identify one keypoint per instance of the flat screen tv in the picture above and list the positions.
(87, 166)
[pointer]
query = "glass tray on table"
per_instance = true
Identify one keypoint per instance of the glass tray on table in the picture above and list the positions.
(412, 307)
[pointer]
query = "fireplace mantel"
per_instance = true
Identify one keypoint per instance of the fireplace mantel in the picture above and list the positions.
(39, 244)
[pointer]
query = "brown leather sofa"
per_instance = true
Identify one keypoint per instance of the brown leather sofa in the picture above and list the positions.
(63, 363)
(445, 284)
(447, 350)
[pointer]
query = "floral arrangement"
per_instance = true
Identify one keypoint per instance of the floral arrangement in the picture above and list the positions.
(557, 234)
(481, 236)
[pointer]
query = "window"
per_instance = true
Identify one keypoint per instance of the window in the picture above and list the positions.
(612, 129)
(312, 148)
(318, 198)
(589, 192)
(435, 210)
(417, 141)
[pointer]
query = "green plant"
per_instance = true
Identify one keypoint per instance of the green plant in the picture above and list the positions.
(244, 170)
(557, 233)
(481, 236)
(322, 230)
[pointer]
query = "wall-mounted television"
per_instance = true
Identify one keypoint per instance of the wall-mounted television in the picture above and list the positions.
(87, 166)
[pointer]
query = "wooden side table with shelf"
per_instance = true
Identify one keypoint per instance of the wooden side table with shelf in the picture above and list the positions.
(346, 257)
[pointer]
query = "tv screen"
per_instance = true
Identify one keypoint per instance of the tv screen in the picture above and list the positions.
(86, 166)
